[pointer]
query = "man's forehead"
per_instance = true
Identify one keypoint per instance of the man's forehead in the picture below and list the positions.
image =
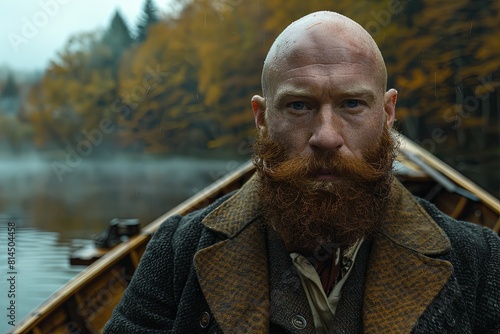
(320, 59)
(336, 78)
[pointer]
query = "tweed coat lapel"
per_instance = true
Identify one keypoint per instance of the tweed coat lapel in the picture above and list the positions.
(402, 277)
(233, 273)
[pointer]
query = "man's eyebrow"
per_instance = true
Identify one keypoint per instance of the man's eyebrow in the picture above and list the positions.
(368, 93)
(293, 92)
(306, 92)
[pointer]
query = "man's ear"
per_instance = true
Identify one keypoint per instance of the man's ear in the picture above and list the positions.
(259, 111)
(390, 98)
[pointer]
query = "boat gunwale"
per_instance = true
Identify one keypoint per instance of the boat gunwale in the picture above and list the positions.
(115, 255)
(485, 197)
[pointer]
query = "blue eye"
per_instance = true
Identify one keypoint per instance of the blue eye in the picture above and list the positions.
(298, 105)
(352, 103)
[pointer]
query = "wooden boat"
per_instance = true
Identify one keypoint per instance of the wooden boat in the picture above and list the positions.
(86, 302)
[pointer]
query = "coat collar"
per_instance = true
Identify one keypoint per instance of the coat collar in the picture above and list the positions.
(408, 225)
(403, 274)
(232, 216)
(402, 277)
(233, 274)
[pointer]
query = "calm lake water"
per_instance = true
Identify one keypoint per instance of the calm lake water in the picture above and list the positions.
(41, 267)
(54, 215)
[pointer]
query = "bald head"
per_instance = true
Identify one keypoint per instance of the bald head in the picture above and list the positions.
(321, 38)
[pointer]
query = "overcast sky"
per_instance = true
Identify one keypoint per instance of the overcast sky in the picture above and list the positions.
(31, 31)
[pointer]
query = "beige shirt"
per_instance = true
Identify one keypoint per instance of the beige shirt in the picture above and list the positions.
(323, 307)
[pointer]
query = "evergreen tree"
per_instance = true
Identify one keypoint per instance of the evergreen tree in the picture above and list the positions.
(10, 89)
(117, 37)
(148, 17)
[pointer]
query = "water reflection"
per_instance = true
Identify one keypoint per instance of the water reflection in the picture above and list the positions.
(95, 192)
(42, 267)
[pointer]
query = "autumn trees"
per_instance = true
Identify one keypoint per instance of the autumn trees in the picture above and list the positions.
(444, 62)
(182, 82)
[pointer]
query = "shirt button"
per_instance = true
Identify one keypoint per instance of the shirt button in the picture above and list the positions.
(299, 322)
(204, 320)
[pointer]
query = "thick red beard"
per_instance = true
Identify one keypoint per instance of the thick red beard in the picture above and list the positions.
(308, 213)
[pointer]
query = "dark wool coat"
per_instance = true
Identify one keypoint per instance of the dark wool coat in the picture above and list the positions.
(219, 270)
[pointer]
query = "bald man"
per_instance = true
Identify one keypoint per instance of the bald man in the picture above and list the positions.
(323, 239)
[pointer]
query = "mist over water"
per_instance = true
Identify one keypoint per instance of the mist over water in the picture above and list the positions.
(80, 203)
(55, 216)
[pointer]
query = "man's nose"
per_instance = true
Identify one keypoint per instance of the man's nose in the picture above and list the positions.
(327, 132)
